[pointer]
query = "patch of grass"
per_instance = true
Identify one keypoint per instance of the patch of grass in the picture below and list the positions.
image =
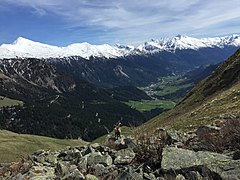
(148, 105)
(13, 145)
(4, 102)
(170, 88)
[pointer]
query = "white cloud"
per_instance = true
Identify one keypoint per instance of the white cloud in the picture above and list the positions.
(141, 19)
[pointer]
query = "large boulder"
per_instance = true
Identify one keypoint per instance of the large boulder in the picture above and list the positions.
(124, 156)
(70, 154)
(97, 158)
(219, 165)
(73, 173)
(40, 172)
(129, 173)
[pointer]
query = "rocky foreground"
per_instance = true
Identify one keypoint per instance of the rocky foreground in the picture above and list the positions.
(166, 155)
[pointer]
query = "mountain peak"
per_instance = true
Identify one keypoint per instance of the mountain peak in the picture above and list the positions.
(21, 39)
(181, 42)
(179, 36)
(23, 47)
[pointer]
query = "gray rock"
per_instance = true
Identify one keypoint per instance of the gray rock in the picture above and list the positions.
(176, 159)
(70, 154)
(82, 165)
(236, 155)
(91, 177)
(41, 172)
(124, 156)
(51, 158)
(180, 177)
(194, 175)
(129, 173)
(161, 178)
(39, 159)
(98, 158)
(178, 138)
(95, 145)
(62, 168)
(174, 136)
(73, 173)
(87, 150)
(129, 142)
(149, 176)
(19, 176)
(99, 169)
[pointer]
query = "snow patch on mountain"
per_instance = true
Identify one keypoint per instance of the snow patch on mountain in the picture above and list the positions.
(26, 48)
(181, 42)
(23, 47)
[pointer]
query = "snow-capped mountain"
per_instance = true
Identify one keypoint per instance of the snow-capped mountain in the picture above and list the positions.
(181, 42)
(26, 48)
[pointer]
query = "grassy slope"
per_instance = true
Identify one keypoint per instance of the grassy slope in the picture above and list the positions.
(4, 101)
(216, 97)
(147, 105)
(13, 145)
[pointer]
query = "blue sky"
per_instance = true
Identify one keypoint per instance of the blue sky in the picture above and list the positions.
(62, 22)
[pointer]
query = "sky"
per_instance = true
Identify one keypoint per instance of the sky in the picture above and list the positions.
(62, 22)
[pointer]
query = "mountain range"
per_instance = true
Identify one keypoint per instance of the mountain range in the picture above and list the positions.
(23, 47)
(82, 89)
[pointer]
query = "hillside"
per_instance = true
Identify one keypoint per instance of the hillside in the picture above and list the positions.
(55, 104)
(14, 146)
(215, 98)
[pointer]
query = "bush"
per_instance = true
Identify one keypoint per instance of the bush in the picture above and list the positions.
(228, 138)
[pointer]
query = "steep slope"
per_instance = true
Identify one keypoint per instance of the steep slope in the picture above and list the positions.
(215, 98)
(127, 71)
(32, 78)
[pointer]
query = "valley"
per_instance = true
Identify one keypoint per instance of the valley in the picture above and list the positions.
(169, 111)
(214, 99)
(165, 94)
(119, 90)
(85, 96)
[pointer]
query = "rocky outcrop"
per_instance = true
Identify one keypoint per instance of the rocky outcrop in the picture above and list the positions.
(208, 163)
(164, 157)
(89, 162)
